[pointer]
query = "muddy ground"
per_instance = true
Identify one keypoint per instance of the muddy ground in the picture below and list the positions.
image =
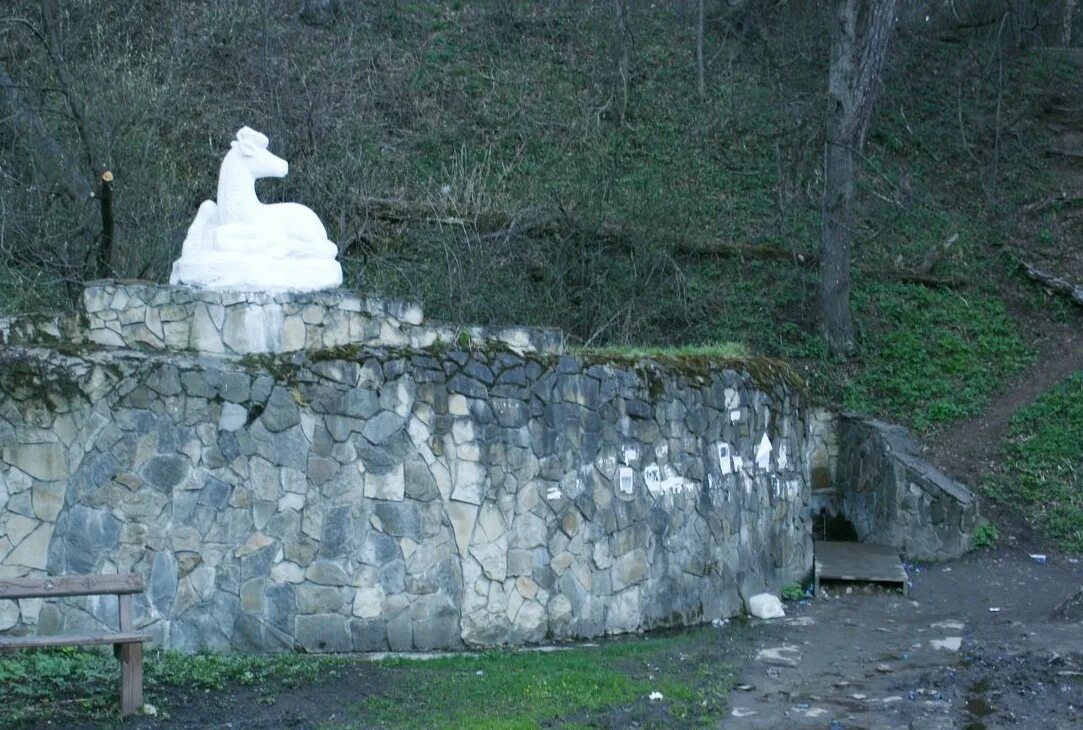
(976, 645)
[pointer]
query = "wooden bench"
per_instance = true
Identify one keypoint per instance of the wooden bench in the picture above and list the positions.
(127, 643)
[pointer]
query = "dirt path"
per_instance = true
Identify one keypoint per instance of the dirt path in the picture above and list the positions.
(940, 659)
(969, 449)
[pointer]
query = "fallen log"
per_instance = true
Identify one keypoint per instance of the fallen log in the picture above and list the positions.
(722, 249)
(1054, 283)
(1041, 206)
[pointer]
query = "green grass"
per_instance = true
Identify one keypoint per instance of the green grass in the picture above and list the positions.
(1042, 471)
(985, 534)
(67, 683)
(499, 689)
(530, 689)
(931, 356)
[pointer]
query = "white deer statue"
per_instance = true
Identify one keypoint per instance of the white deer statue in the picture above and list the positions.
(239, 243)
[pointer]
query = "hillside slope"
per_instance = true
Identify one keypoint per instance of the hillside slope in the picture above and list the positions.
(490, 160)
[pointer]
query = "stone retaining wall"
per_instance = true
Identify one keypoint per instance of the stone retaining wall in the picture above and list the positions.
(154, 317)
(894, 497)
(406, 500)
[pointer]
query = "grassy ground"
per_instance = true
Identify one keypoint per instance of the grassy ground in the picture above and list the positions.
(585, 686)
(579, 687)
(931, 356)
(67, 684)
(1042, 469)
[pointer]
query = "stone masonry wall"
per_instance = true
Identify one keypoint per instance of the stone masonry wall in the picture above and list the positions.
(894, 497)
(396, 499)
(153, 317)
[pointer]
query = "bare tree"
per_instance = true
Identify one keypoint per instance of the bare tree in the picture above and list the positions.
(623, 56)
(861, 36)
(701, 85)
(1066, 23)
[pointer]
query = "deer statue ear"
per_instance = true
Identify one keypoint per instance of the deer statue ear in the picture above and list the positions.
(247, 134)
(247, 148)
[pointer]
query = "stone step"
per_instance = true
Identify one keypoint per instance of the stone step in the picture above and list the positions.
(858, 561)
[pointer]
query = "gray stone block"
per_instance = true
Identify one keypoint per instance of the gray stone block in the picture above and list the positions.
(400, 634)
(382, 427)
(280, 411)
(437, 631)
(401, 519)
(368, 634)
(378, 549)
(162, 586)
(319, 599)
(323, 633)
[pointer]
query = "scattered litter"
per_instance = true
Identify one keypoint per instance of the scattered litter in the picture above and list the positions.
(802, 705)
(858, 696)
(655, 695)
(994, 609)
(883, 668)
(480, 672)
(892, 699)
(765, 605)
(745, 687)
(742, 712)
(947, 570)
(150, 710)
(720, 622)
(1073, 561)
(905, 655)
(950, 625)
(950, 643)
(786, 655)
(1038, 558)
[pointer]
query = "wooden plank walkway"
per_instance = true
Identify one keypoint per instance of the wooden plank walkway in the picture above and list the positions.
(858, 561)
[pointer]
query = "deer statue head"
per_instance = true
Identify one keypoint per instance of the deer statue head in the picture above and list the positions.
(252, 147)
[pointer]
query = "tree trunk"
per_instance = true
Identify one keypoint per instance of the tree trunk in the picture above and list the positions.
(857, 58)
(701, 84)
(1066, 23)
(622, 58)
(837, 230)
(105, 247)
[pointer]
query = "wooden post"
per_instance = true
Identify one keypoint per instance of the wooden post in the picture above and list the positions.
(131, 663)
(131, 678)
(125, 613)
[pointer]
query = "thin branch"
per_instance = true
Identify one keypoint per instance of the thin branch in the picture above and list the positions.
(67, 85)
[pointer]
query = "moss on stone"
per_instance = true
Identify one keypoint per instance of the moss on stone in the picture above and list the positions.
(43, 381)
(653, 370)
